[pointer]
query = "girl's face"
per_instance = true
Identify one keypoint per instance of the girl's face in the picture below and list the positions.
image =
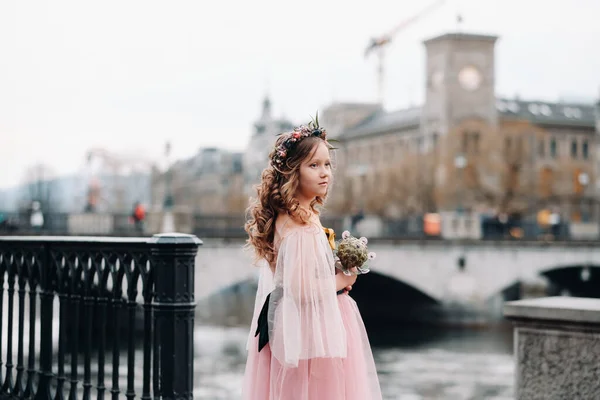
(315, 175)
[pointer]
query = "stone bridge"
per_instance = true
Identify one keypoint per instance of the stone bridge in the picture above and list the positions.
(444, 271)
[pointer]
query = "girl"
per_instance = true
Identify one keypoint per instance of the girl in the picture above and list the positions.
(307, 340)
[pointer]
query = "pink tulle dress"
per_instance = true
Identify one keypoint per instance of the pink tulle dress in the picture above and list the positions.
(306, 341)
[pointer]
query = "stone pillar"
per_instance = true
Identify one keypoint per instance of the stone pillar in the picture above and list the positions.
(557, 347)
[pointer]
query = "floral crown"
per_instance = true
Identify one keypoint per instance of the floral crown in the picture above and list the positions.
(291, 139)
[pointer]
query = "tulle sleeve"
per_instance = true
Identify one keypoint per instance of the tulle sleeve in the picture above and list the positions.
(264, 287)
(304, 317)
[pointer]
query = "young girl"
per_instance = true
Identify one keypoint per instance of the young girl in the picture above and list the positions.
(307, 340)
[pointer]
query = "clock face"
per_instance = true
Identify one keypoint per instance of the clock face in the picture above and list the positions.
(469, 78)
(437, 78)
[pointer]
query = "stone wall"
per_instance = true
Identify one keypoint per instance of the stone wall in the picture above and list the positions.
(557, 348)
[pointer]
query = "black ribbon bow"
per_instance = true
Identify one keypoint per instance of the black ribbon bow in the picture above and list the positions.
(262, 327)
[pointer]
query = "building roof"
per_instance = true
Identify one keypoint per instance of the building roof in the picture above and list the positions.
(350, 105)
(383, 122)
(546, 113)
(537, 112)
(462, 36)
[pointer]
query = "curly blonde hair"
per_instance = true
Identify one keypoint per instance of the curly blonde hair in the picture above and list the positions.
(275, 196)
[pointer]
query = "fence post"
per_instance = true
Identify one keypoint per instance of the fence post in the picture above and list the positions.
(46, 282)
(173, 257)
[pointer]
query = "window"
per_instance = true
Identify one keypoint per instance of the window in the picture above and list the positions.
(553, 148)
(518, 146)
(399, 148)
(546, 182)
(389, 151)
(507, 145)
(542, 148)
(434, 140)
(475, 140)
(574, 148)
(585, 150)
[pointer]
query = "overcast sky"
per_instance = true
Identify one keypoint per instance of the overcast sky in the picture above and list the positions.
(129, 75)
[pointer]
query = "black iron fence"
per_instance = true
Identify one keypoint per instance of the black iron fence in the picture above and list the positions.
(94, 296)
(56, 223)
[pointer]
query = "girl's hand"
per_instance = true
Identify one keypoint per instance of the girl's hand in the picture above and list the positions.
(345, 282)
(347, 288)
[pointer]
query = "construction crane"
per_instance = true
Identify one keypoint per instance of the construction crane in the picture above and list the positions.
(379, 44)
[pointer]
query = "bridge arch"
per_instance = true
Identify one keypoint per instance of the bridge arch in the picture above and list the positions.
(579, 280)
(375, 284)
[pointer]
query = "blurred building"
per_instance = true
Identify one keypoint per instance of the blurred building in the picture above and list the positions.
(113, 182)
(256, 155)
(211, 182)
(217, 181)
(69, 193)
(465, 147)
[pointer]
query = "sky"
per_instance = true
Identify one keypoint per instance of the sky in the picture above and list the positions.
(128, 76)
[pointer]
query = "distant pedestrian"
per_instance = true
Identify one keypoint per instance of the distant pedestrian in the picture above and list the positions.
(36, 219)
(138, 215)
(555, 223)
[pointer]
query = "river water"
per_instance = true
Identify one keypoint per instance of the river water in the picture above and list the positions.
(412, 363)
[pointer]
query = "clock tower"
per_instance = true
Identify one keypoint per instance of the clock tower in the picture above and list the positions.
(459, 82)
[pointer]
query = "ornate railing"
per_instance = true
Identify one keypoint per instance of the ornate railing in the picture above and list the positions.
(95, 297)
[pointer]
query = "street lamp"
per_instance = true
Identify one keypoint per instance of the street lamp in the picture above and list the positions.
(583, 179)
(168, 223)
(460, 162)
